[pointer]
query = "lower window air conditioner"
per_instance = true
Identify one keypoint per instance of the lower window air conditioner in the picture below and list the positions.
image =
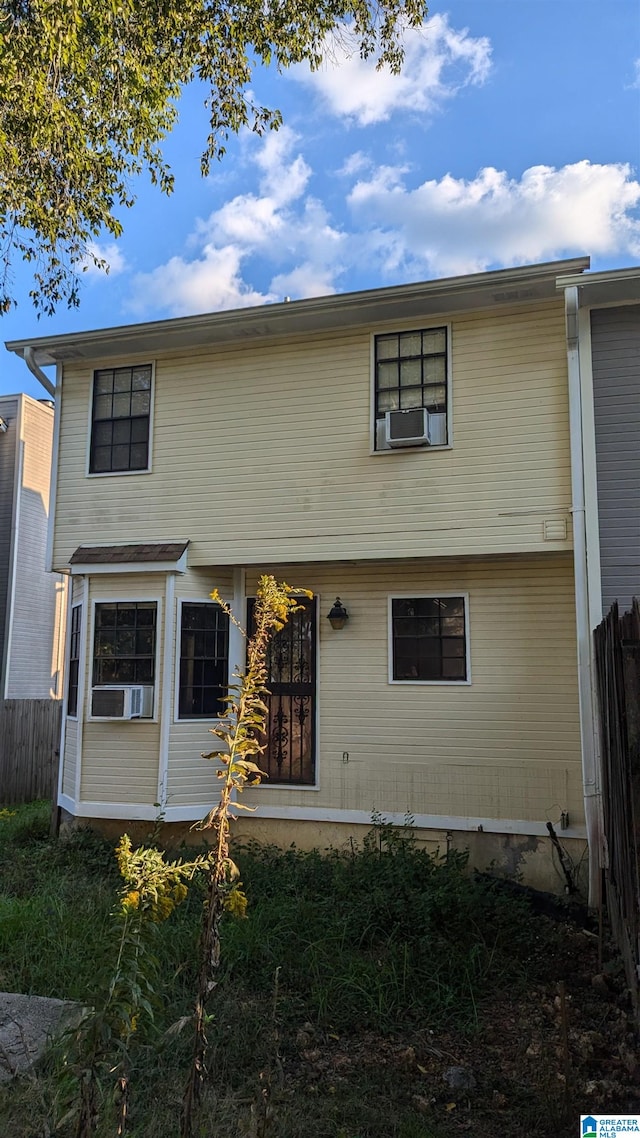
(132, 701)
(407, 428)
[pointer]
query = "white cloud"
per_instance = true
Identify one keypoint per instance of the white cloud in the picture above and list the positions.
(279, 223)
(453, 226)
(636, 68)
(209, 283)
(279, 240)
(306, 280)
(109, 253)
(439, 62)
(262, 220)
(354, 164)
(274, 160)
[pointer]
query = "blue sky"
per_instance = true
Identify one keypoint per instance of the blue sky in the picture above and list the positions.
(512, 136)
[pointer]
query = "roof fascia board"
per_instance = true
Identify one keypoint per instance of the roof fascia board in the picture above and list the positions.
(357, 308)
(606, 276)
(596, 290)
(93, 568)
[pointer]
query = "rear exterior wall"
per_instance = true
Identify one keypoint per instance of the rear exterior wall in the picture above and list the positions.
(262, 452)
(506, 746)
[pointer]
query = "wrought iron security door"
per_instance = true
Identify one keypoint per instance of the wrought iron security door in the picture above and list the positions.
(290, 755)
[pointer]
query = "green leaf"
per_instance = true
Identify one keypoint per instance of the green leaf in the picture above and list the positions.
(90, 93)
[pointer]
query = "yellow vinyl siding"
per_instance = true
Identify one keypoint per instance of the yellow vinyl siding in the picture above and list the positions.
(70, 758)
(506, 746)
(118, 767)
(191, 779)
(262, 451)
(120, 760)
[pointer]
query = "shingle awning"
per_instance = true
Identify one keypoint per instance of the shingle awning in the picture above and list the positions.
(162, 556)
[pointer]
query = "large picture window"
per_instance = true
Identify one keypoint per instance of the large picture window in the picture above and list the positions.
(124, 644)
(410, 373)
(120, 419)
(429, 640)
(204, 661)
(74, 660)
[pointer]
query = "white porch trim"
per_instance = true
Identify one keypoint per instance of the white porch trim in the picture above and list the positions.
(139, 811)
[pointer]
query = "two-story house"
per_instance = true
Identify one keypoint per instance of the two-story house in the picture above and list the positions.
(32, 600)
(406, 450)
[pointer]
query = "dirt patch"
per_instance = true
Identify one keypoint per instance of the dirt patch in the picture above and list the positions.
(533, 1062)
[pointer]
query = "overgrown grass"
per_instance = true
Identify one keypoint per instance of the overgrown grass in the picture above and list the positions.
(385, 935)
(386, 939)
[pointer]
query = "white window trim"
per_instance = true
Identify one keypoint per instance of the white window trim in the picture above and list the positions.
(156, 692)
(67, 715)
(409, 327)
(121, 473)
(432, 595)
(177, 718)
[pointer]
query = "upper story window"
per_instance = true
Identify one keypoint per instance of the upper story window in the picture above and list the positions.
(411, 372)
(74, 660)
(204, 661)
(120, 419)
(429, 640)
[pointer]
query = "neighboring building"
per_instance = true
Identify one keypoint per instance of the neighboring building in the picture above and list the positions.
(603, 313)
(200, 451)
(603, 353)
(32, 600)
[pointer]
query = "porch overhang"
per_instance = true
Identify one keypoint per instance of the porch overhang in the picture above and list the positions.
(148, 557)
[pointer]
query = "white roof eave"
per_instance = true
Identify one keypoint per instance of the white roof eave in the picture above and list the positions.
(327, 313)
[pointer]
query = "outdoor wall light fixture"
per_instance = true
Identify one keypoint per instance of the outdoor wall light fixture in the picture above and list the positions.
(3, 426)
(338, 616)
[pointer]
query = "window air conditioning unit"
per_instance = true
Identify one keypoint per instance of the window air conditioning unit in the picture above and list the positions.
(115, 702)
(407, 428)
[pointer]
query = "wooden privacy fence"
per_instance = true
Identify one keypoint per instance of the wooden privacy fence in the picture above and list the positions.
(617, 654)
(29, 749)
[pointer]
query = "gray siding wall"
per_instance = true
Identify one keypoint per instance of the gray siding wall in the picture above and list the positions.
(615, 336)
(8, 443)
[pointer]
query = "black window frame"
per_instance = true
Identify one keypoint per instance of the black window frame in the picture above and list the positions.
(210, 632)
(73, 663)
(426, 390)
(124, 667)
(121, 435)
(422, 649)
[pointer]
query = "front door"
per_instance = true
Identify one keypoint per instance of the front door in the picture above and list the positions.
(290, 755)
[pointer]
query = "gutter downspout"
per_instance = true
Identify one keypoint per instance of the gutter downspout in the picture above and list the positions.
(30, 360)
(590, 769)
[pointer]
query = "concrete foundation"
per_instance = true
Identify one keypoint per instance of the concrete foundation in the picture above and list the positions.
(530, 860)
